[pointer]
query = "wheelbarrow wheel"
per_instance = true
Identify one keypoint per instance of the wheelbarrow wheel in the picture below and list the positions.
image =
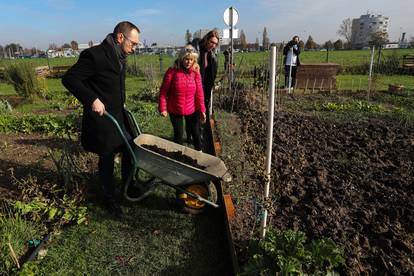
(193, 206)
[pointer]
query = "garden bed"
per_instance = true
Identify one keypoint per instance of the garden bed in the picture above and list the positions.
(343, 175)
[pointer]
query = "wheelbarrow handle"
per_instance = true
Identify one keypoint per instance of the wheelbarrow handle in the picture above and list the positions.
(120, 132)
(135, 126)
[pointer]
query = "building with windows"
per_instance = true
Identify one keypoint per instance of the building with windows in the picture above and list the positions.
(365, 26)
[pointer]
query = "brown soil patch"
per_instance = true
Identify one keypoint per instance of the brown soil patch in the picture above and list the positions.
(22, 155)
(349, 181)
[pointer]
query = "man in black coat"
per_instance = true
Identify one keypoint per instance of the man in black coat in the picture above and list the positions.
(97, 80)
(291, 60)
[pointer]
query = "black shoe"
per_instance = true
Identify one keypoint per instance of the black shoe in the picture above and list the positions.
(114, 209)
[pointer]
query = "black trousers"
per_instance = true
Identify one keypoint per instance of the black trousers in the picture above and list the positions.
(106, 168)
(192, 123)
(293, 76)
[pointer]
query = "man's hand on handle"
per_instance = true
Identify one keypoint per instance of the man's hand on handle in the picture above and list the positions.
(98, 107)
(164, 114)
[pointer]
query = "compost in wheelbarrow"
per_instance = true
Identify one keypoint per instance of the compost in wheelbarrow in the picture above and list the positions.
(176, 155)
(175, 172)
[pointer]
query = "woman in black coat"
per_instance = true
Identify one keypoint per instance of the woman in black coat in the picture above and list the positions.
(97, 80)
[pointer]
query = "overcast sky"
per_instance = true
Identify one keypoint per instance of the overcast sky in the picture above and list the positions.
(36, 23)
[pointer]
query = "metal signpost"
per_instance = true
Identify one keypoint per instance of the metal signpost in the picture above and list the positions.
(231, 16)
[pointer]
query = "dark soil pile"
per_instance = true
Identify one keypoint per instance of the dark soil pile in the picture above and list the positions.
(176, 155)
(349, 181)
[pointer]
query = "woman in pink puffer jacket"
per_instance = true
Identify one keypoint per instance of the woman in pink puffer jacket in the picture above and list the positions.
(181, 96)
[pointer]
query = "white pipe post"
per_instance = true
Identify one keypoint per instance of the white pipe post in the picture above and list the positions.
(210, 107)
(272, 84)
(231, 49)
(290, 69)
(370, 70)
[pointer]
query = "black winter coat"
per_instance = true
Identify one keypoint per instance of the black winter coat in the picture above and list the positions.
(98, 74)
(208, 74)
(286, 49)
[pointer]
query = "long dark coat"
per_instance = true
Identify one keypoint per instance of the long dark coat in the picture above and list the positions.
(98, 74)
(208, 74)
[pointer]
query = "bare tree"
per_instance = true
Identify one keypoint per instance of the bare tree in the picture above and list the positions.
(13, 49)
(310, 44)
(412, 42)
(74, 45)
(65, 45)
(301, 44)
(328, 45)
(345, 30)
(257, 44)
(243, 40)
(188, 36)
(53, 46)
(378, 39)
(338, 45)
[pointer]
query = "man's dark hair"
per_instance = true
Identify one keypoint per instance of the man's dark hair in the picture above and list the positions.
(125, 27)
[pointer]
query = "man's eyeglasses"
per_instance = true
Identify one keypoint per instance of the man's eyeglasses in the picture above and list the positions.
(133, 44)
(213, 42)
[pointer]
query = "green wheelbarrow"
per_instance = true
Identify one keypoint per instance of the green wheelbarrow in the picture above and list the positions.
(195, 188)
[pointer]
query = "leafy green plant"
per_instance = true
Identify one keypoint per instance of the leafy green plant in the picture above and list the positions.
(5, 106)
(54, 211)
(326, 255)
(24, 79)
(404, 116)
(287, 253)
(360, 106)
(45, 202)
(46, 124)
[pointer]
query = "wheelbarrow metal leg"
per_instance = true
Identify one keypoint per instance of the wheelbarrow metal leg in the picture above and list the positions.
(129, 181)
(202, 199)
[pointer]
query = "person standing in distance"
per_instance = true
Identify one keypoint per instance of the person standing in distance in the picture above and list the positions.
(291, 54)
(97, 80)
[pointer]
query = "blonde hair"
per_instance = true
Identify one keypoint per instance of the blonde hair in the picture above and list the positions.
(187, 51)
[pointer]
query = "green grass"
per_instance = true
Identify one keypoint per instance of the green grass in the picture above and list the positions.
(153, 239)
(342, 57)
(360, 82)
(17, 232)
(40, 61)
(7, 89)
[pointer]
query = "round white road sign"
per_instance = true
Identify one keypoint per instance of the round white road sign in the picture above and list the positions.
(235, 16)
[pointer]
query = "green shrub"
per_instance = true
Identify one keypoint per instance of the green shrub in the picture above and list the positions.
(46, 124)
(5, 106)
(23, 77)
(287, 253)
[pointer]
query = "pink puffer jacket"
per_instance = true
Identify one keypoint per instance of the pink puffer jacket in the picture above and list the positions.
(181, 92)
